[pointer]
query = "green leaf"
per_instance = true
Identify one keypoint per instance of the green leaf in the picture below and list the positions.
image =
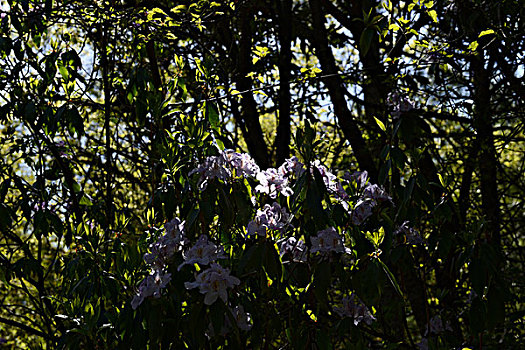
(322, 280)
(486, 32)
(473, 46)
(213, 115)
(391, 277)
(323, 340)
(5, 216)
(63, 71)
(85, 201)
(441, 181)
(380, 124)
(365, 41)
(433, 15)
(376, 237)
(383, 172)
(74, 120)
(477, 316)
(272, 262)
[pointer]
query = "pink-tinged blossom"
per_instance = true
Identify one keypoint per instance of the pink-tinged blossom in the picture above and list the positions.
(161, 252)
(423, 344)
(292, 166)
(376, 193)
(295, 248)
(242, 163)
(333, 186)
(270, 217)
(356, 310)
(327, 241)
(272, 182)
(151, 286)
(243, 319)
(225, 166)
(167, 245)
(213, 283)
(410, 235)
(399, 104)
(435, 326)
(360, 178)
(362, 210)
(174, 228)
(202, 253)
(213, 167)
(372, 195)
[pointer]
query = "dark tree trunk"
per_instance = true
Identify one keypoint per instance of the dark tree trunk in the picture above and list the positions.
(336, 90)
(252, 131)
(487, 161)
(282, 140)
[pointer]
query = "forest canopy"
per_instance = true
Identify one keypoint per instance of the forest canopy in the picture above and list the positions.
(262, 174)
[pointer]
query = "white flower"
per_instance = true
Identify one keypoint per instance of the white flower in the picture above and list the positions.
(356, 310)
(435, 326)
(376, 193)
(227, 164)
(167, 245)
(151, 286)
(272, 182)
(213, 282)
(213, 167)
(175, 228)
(296, 248)
(242, 318)
(292, 166)
(423, 344)
(203, 252)
(333, 186)
(243, 163)
(362, 210)
(327, 241)
(270, 217)
(410, 234)
(360, 178)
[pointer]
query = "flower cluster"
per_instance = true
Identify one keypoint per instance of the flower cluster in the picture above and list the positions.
(242, 320)
(333, 185)
(272, 182)
(371, 196)
(167, 245)
(327, 241)
(362, 210)
(213, 167)
(214, 282)
(270, 217)
(399, 104)
(224, 166)
(356, 310)
(292, 166)
(203, 253)
(242, 163)
(360, 178)
(409, 234)
(151, 286)
(376, 193)
(161, 251)
(435, 326)
(295, 248)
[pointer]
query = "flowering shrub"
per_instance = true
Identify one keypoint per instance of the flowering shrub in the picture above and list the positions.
(291, 245)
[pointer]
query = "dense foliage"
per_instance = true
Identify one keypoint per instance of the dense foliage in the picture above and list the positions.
(261, 174)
